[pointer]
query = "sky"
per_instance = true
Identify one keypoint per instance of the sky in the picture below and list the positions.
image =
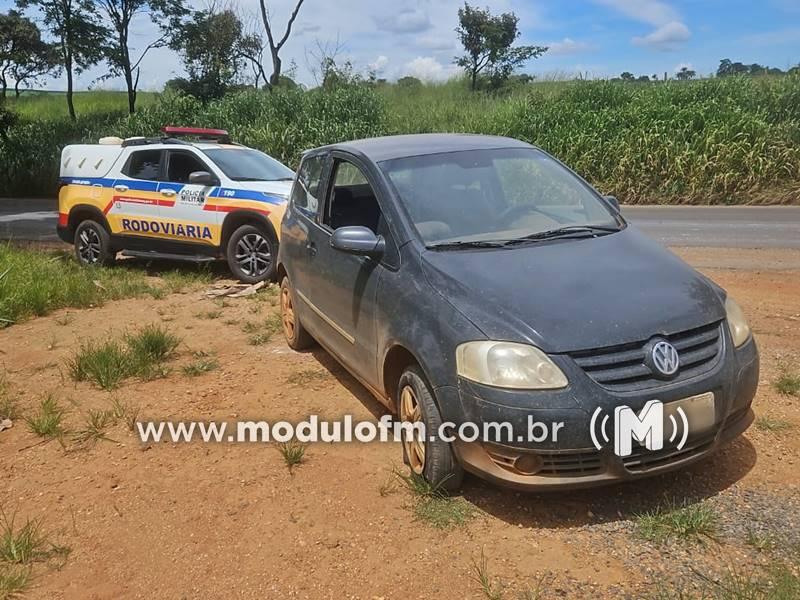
(594, 38)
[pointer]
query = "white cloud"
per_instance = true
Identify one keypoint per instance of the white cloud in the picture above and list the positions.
(566, 46)
(670, 30)
(667, 37)
(653, 12)
(775, 38)
(379, 64)
(436, 43)
(428, 68)
(405, 21)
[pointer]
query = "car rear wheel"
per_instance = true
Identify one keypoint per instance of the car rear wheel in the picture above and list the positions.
(251, 254)
(296, 335)
(432, 459)
(93, 244)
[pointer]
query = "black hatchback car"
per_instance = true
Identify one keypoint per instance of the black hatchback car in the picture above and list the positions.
(475, 279)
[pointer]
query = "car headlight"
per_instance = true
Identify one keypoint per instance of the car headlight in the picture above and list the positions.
(508, 365)
(740, 330)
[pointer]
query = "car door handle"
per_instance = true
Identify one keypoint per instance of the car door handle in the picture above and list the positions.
(121, 188)
(168, 193)
(311, 248)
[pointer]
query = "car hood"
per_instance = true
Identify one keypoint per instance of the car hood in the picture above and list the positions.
(271, 188)
(567, 295)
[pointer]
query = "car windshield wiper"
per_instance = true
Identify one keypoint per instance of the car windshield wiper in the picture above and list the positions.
(249, 179)
(468, 244)
(568, 231)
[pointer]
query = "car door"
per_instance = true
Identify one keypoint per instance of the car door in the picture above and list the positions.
(341, 288)
(134, 201)
(183, 204)
(300, 220)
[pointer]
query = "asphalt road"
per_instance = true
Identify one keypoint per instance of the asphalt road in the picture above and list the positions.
(701, 226)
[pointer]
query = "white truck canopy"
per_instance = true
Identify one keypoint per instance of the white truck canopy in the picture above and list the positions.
(90, 160)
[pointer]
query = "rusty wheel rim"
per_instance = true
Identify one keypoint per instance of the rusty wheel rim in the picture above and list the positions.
(287, 313)
(410, 412)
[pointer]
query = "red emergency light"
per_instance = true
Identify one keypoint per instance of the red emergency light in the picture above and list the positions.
(209, 134)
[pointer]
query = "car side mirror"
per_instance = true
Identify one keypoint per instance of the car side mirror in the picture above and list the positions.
(358, 240)
(613, 202)
(202, 178)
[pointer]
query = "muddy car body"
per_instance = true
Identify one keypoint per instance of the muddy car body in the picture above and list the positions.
(476, 279)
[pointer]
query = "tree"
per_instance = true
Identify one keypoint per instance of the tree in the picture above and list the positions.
(274, 47)
(685, 74)
(627, 76)
(487, 40)
(23, 54)
(409, 82)
(166, 14)
(643, 79)
(211, 45)
(80, 38)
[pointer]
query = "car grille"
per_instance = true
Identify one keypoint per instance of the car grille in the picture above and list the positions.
(551, 464)
(643, 459)
(623, 369)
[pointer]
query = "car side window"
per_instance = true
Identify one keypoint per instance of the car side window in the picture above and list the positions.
(144, 164)
(305, 193)
(181, 165)
(352, 200)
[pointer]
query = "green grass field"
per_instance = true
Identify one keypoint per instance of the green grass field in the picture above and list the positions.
(49, 105)
(716, 141)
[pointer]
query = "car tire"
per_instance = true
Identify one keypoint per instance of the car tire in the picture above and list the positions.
(251, 252)
(93, 245)
(433, 460)
(294, 332)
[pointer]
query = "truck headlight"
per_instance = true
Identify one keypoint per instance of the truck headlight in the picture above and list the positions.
(508, 365)
(740, 330)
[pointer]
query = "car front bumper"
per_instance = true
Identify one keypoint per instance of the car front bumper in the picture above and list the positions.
(573, 461)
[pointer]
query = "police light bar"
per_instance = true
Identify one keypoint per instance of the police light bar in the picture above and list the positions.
(209, 134)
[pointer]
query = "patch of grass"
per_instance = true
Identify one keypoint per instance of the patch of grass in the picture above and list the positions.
(9, 409)
(106, 364)
(432, 505)
(121, 410)
(690, 522)
(389, 486)
(293, 453)
(307, 376)
(203, 363)
(26, 544)
(788, 383)
(210, 314)
(480, 575)
(778, 580)
(94, 427)
(761, 541)
(262, 332)
(152, 344)
(38, 282)
(766, 423)
(13, 581)
(47, 421)
(64, 319)
(110, 362)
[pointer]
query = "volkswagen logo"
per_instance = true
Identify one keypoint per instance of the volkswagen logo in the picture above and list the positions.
(665, 358)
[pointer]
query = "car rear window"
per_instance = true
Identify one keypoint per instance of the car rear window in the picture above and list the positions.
(144, 164)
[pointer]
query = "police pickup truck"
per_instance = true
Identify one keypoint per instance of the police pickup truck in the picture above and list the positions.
(190, 194)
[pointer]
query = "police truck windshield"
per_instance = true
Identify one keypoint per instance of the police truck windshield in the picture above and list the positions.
(245, 164)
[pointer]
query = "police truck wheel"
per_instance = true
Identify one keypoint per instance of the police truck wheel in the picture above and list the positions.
(296, 335)
(251, 254)
(432, 459)
(93, 245)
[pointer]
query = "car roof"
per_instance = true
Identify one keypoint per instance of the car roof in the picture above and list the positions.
(401, 146)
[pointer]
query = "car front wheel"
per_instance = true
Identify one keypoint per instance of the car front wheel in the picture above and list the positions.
(251, 254)
(428, 456)
(93, 244)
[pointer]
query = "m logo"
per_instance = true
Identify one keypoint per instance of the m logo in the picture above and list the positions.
(647, 428)
(665, 359)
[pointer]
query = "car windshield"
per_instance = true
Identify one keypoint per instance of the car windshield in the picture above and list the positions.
(246, 164)
(496, 196)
